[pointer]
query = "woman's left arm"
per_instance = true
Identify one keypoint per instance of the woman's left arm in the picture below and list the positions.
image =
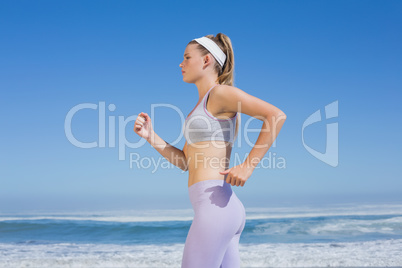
(233, 99)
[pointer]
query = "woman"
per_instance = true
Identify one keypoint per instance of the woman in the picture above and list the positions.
(210, 130)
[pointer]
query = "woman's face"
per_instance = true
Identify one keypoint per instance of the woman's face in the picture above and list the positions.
(191, 66)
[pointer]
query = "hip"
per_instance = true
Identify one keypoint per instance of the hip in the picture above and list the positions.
(214, 194)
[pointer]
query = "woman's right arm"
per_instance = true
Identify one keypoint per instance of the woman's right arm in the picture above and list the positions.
(143, 127)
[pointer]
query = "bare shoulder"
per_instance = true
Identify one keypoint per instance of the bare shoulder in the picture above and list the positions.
(234, 99)
(223, 89)
(216, 104)
(224, 92)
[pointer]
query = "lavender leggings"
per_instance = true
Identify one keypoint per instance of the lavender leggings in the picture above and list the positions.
(219, 219)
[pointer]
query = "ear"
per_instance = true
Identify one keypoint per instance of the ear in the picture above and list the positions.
(207, 59)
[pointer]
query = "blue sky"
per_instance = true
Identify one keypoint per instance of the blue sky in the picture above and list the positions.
(298, 55)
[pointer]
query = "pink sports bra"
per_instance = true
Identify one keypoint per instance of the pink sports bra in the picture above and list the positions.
(201, 125)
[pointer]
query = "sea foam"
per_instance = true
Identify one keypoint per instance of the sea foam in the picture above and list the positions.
(354, 254)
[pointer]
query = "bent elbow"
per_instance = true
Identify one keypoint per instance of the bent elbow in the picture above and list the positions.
(277, 116)
(281, 115)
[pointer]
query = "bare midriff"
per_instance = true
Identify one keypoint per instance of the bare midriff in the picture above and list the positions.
(205, 159)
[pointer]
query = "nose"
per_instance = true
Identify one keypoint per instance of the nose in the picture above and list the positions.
(181, 65)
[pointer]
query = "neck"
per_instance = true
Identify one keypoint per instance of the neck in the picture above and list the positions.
(203, 86)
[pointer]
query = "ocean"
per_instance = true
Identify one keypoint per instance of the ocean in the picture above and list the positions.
(347, 235)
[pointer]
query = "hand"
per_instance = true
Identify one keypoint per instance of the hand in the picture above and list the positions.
(143, 126)
(237, 175)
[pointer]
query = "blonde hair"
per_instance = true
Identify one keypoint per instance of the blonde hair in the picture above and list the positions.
(225, 72)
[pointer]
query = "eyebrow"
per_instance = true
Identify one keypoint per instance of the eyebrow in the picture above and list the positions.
(186, 54)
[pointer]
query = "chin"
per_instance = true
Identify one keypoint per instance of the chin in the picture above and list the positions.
(187, 81)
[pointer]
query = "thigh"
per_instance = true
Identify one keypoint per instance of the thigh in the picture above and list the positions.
(231, 259)
(206, 242)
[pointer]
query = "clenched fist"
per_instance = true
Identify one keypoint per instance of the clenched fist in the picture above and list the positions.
(143, 126)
